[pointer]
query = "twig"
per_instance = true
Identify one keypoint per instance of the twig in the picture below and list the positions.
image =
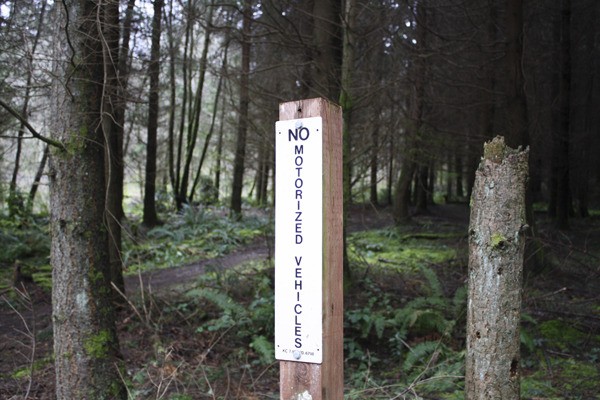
(31, 129)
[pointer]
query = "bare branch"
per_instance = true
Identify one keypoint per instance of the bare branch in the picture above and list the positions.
(31, 129)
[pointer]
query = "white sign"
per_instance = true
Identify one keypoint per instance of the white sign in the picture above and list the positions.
(299, 240)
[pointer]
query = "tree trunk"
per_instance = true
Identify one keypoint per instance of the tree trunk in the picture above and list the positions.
(516, 102)
(119, 108)
(86, 348)
(496, 249)
(219, 152)
(112, 99)
(421, 189)
(212, 122)
(38, 176)
(183, 102)
(14, 198)
(240, 150)
(402, 193)
(150, 217)
(327, 45)
(561, 141)
(194, 123)
(409, 163)
(172, 99)
(374, 164)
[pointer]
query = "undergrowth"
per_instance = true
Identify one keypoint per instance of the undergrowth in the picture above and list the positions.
(404, 322)
(192, 234)
(25, 240)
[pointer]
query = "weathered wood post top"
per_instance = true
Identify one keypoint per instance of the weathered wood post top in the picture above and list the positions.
(308, 250)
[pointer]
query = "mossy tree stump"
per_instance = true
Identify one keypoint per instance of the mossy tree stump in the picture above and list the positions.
(496, 248)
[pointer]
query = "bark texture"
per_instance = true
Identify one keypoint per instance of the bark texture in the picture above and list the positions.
(86, 348)
(240, 149)
(496, 248)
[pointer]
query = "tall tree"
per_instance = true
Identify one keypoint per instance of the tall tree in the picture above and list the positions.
(412, 145)
(86, 348)
(240, 148)
(561, 142)
(150, 217)
(194, 122)
(114, 140)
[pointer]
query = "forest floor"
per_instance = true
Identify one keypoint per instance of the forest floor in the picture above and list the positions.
(176, 347)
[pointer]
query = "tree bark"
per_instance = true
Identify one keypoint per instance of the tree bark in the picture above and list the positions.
(410, 163)
(240, 150)
(194, 123)
(38, 176)
(150, 217)
(327, 46)
(496, 249)
(516, 102)
(86, 347)
(561, 141)
(112, 99)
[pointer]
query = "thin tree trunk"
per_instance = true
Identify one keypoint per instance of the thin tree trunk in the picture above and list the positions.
(421, 189)
(119, 109)
(194, 123)
(212, 122)
(496, 250)
(409, 164)
(14, 197)
(516, 113)
(240, 150)
(184, 100)
(327, 43)
(374, 165)
(150, 217)
(172, 100)
(38, 176)
(458, 166)
(219, 152)
(390, 181)
(86, 348)
(402, 193)
(562, 141)
(113, 136)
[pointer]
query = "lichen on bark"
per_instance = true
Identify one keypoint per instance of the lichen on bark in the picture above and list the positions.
(496, 248)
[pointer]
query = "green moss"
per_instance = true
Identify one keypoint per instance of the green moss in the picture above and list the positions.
(497, 241)
(97, 345)
(25, 372)
(495, 150)
(389, 247)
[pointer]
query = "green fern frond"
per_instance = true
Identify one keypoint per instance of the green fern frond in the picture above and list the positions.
(220, 299)
(435, 287)
(263, 348)
(420, 355)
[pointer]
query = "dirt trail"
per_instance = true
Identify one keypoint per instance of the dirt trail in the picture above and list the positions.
(164, 278)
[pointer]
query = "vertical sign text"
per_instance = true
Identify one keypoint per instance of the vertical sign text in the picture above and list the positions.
(299, 240)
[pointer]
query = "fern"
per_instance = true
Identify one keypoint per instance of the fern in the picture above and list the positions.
(218, 298)
(435, 287)
(264, 349)
(420, 354)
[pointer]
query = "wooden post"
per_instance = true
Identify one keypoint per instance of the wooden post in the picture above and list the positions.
(496, 248)
(312, 380)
